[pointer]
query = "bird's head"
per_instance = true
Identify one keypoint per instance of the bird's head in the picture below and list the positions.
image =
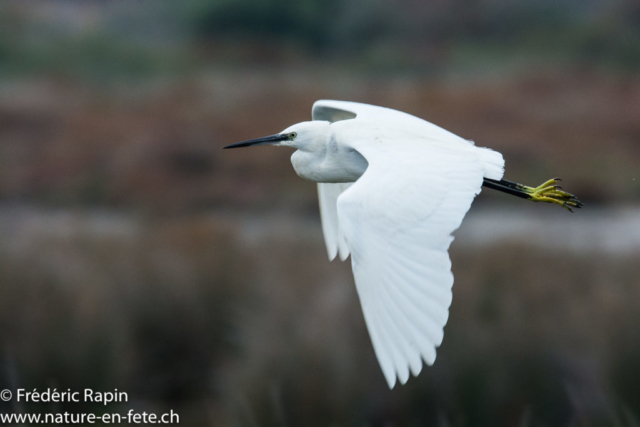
(305, 136)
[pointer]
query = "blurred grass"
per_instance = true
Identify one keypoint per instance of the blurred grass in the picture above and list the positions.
(244, 317)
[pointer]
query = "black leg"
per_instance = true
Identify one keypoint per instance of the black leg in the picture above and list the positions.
(511, 184)
(505, 188)
(547, 192)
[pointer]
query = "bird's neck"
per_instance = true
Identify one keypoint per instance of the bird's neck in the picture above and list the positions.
(328, 161)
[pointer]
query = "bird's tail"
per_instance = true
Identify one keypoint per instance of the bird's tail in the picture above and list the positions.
(492, 163)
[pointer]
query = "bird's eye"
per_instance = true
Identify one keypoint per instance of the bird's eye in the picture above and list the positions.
(293, 135)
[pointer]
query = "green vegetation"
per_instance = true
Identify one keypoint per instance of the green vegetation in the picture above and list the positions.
(165, 37)
(187, 315)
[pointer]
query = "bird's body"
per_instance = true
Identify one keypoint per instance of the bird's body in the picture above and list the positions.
(392, 189)
(332, 157)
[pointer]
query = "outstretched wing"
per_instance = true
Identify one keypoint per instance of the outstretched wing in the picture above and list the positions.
(397, 221)
(333, 238)
(334, 111)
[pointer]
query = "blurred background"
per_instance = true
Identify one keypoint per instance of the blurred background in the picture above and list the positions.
(135, 254)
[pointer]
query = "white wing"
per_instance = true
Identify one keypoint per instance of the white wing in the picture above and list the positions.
(397, 221)
(334, 111)
(328, 198)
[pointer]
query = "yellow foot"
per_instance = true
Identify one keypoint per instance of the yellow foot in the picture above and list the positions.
(549, 192)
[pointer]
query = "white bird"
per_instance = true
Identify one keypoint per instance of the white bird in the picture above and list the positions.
(392, 190)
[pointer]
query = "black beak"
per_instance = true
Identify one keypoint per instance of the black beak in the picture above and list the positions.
(260, 141)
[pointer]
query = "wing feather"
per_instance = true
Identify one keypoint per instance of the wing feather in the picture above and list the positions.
(396, 221)
(328, 197)
(380, 345)
(334, 111)
(411, 335)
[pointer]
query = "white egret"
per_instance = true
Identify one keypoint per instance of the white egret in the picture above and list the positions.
(392, 190)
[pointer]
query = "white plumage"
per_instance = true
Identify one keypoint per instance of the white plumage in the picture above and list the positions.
(396, 221)
(392, 189)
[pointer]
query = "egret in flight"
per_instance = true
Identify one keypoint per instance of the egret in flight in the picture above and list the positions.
(392, 190)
